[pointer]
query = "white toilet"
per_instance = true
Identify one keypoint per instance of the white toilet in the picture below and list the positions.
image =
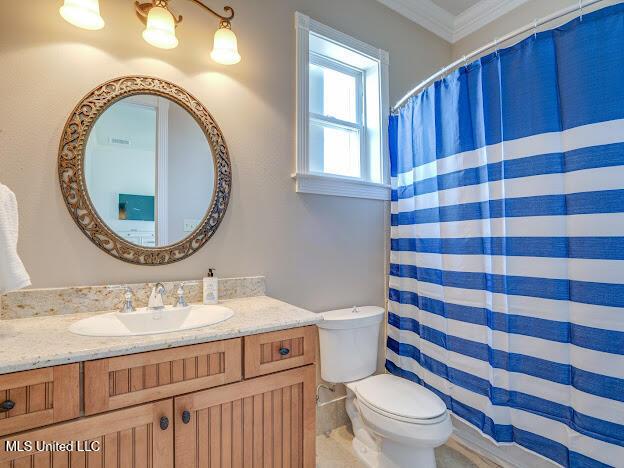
(397, 423)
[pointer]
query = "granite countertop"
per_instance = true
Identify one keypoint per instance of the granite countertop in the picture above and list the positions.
(31, 343)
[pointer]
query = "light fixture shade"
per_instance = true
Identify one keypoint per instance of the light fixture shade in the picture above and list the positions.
(160, 29)
(82, 13)
(225, 48)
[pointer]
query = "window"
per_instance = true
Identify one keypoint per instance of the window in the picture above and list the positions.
(342, 114)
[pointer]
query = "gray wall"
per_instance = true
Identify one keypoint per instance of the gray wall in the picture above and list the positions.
(318, 252)
(190, 170)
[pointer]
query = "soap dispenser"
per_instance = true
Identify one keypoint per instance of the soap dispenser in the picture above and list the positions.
(211, 288)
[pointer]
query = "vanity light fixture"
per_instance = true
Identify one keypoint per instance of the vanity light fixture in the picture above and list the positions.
(82, 13)
(160, 25)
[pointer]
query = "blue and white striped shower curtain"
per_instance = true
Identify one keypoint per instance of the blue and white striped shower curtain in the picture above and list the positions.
(507, 262)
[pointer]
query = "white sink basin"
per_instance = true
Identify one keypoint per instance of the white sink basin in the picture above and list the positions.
(150, 322)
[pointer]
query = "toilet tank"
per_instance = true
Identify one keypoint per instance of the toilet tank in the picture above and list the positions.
(349, 343)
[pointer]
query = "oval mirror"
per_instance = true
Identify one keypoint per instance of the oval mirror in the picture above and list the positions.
(145, 173)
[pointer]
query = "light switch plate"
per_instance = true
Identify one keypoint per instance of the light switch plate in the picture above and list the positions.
(190, 225)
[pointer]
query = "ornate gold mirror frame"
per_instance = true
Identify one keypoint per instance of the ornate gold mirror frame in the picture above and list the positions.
(73, 183)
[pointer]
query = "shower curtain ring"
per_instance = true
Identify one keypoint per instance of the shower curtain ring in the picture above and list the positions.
(535, 28)
(496, 46)
(581, 9)
(465, 61)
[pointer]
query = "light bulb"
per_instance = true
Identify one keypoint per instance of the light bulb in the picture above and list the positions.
(160, 29)
(225, 48)
(82, 13)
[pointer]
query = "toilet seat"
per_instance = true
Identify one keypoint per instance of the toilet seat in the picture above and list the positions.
(395, 417)
(400, 400)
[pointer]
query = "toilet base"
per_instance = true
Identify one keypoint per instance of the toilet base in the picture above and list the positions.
(396, 455)
(365, 445)
(367, 456)
(374, 451)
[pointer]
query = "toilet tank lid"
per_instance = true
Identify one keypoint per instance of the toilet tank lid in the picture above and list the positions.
(353, 317)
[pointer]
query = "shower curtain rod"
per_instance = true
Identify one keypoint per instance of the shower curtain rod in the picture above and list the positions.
(494, 44)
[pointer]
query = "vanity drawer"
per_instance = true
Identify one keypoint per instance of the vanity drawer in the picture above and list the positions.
(39, 397)
(130, 380)
(280, 350)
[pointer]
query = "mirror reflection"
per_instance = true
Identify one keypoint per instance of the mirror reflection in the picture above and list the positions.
(149, 170)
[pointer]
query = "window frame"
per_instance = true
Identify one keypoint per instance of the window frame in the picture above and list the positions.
(360, 111)
(308, 181)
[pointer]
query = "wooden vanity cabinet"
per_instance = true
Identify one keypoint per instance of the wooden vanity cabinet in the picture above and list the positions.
(206, 414)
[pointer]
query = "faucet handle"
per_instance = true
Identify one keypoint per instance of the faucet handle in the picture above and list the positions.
(181, 300)
(127, 305)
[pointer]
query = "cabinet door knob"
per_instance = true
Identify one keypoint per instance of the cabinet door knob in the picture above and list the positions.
(164, 423)
(186, 416)
(7, 405)
(284, 351)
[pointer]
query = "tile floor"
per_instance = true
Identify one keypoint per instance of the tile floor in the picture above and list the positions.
(334, 451)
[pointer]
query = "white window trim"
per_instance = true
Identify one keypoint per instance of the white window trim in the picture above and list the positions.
(325, 184)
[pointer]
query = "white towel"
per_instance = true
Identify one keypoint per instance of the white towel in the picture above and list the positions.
(13, 275)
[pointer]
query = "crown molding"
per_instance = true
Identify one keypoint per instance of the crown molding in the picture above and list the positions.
(427, 14)
(480, 14)
(449, 27)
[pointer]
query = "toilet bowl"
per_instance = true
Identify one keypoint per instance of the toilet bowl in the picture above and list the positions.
(408, 420)
(396, 423)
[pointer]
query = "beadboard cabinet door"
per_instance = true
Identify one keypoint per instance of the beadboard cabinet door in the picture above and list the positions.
(269, 421)
(138, 437)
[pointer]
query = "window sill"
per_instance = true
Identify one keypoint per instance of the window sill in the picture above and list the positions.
(340, 186)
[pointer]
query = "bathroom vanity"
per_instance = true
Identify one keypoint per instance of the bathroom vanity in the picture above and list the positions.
(145, 173)
(239, 393)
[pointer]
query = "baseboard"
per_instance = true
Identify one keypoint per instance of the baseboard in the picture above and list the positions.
(476, 446)
(507, 456)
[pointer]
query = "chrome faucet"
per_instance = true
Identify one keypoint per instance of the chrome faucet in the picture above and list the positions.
(127, 305)
(181, 300)
(157, 297)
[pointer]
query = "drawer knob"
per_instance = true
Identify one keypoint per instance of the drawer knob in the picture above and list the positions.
(7, 405)
(186, 416)
(284, 351)
(164, 423)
